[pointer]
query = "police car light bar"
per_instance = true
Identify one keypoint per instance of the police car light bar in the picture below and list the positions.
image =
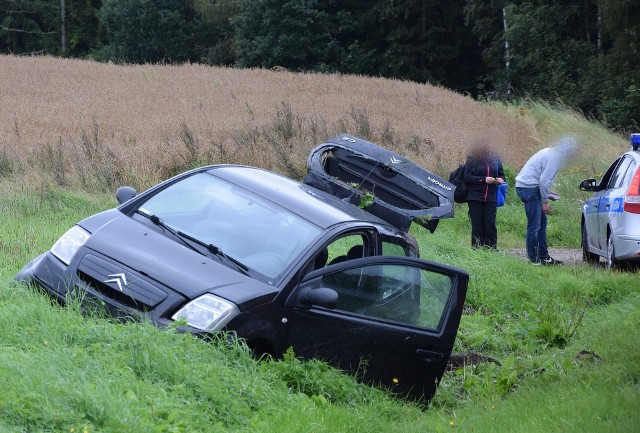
(635, 141)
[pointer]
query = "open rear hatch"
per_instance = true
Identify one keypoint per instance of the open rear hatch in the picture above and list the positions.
(382, 182)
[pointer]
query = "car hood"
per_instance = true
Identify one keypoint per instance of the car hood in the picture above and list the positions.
(382, 182)
(167, 261)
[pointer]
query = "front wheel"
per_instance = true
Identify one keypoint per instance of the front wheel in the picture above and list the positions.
(587, 256)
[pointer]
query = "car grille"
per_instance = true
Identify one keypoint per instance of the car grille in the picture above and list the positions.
(119, 284)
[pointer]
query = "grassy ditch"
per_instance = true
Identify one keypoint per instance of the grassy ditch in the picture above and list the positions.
(539, 349)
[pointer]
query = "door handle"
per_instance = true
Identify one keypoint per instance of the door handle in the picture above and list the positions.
(429, 356)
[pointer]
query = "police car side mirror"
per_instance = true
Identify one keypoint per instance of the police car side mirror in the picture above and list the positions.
(588, 185)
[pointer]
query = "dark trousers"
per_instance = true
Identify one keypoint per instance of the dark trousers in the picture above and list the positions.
(484, 232)
(537, 248)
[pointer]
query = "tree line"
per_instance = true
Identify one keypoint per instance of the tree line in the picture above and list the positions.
(582, 53)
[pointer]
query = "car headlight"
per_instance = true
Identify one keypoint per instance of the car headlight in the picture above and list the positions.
(208, 313)
(70, 242)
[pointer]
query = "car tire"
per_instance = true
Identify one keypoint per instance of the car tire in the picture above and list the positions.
(612, 262)
(587, 256)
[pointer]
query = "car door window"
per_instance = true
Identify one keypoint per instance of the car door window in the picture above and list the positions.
(630, 172)
(391, 247)
(390, 292)
(617, 179)
(348, 247)
(604, 182)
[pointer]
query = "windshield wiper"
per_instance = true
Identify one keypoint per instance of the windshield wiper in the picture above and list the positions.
(215, 250)
(184, 237)
(158, 221)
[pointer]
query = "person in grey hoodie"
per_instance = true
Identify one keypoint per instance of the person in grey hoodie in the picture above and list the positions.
(533, 186)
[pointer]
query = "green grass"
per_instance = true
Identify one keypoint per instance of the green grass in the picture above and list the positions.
(34, 218)
(564, 337)
(593, 387)
(563, 341)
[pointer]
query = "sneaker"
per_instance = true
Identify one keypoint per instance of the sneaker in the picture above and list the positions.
(549, 261)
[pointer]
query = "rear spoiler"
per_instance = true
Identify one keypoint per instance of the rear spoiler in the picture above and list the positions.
(382, 182)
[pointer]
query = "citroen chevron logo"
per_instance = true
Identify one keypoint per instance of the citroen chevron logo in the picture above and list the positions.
(395, 160)
(119, 280)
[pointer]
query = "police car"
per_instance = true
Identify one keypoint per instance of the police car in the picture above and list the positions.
(611, 217)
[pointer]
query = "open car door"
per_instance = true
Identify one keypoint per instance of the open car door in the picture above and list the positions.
(393, 322)
(382, 182)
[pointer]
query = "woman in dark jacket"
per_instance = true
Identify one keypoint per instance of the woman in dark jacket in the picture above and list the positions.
(482, 173)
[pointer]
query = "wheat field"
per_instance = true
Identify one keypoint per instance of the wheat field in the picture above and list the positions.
(96, 123)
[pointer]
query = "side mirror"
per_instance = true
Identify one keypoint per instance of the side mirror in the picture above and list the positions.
(322, 297)
(125, 193)
(587, 185)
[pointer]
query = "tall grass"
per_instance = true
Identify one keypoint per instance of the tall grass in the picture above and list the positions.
(545, 122)
(85, 123)
(36, 215)
(97, 126)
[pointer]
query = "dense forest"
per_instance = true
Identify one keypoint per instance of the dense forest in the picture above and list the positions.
(581, 53)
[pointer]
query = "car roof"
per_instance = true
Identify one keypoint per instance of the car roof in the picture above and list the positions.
(634, 153)
(312, 204)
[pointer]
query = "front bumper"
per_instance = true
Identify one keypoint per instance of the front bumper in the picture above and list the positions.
(48, 273)
(89, 278)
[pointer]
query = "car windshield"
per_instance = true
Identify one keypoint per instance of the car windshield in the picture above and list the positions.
(256, 232)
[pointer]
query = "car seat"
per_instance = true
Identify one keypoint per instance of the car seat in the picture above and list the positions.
(355, 252)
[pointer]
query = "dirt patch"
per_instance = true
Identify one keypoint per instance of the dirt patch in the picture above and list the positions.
(461, 360)
(569, 256)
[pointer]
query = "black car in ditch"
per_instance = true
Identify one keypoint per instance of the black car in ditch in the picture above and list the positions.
(325, 266)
